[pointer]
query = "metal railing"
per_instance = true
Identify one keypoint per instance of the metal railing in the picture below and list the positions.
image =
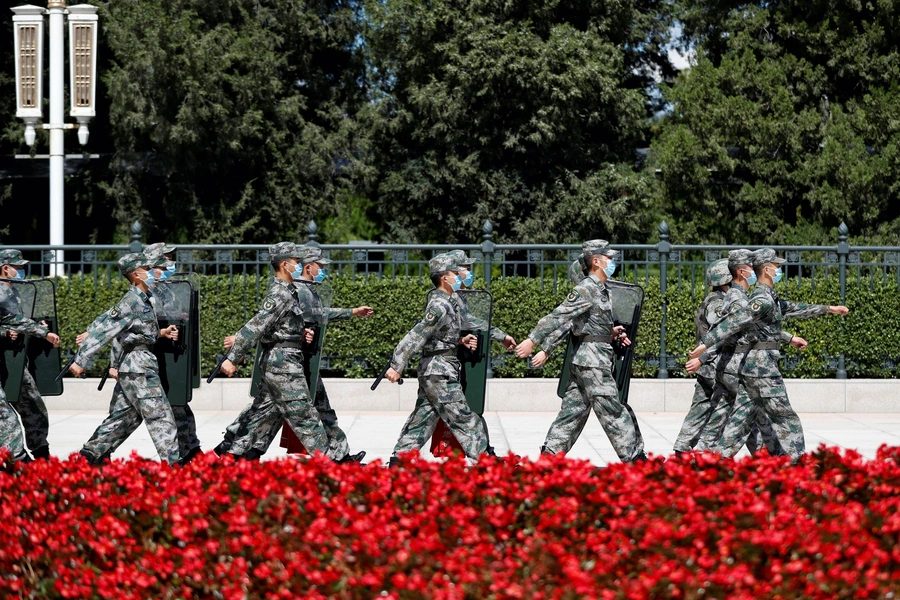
(670, 264)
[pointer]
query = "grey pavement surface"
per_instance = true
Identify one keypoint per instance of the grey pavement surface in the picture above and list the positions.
(519, 432)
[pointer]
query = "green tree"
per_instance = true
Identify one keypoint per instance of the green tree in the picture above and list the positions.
(787, 125)
(525, 113)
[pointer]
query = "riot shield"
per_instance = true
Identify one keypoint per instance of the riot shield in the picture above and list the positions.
(17, 297)
(194, 280)
(43, 359)
(626, 299)
(173, 307)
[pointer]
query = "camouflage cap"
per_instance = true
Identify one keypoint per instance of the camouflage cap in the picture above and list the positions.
(283, 251)
(717, 273)
(738, 257)
(441, 263)
(158, 248)
(132, 261)
(593, 247)
(312, 254)
(460, 257)
(765, 255)
(576, 271)
(10, 256)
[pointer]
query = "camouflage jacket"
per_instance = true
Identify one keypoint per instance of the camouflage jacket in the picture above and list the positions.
(472, 322)
(314, 313)
(760, 321)
(133, 323)
(709, 313)
(437, 332)
(278, 321)
(587, 310)
(10, 306)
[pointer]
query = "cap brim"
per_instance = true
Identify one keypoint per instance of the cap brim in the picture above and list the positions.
(778, 260)
(323, 261)
(20, 263)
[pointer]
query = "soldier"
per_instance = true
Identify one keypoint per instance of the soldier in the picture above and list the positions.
(279, 327)
(442, 440)
(30, 405)
(440, 394)
(162, 258)
(759, 323)
(587, 312)
(141, 398)
(239, 438)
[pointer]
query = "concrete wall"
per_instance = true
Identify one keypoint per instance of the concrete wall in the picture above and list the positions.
(515, 395)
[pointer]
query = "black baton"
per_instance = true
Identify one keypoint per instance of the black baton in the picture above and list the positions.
(65, 368)
(216, 370)
(103, 379)
(381, 376)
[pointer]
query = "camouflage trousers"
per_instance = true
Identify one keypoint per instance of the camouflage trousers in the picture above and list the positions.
(10, 430)
(137, 397)
(767, 396)
(594, 388)
(186, 425)
(239, 436)
(33, 412)
(441, 397)
(727, 395)
(702, 406)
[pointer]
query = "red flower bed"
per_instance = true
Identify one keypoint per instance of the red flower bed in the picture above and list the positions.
(556, 528)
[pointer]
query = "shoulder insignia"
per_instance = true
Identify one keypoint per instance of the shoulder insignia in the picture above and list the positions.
(432, 315)
(573, 296)
(756, 306)
(115, 311)
(269, 304)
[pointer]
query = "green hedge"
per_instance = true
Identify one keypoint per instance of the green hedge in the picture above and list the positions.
(358, 347)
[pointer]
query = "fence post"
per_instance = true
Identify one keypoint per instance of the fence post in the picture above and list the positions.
(663, 247)
(312, 234)
(487, 253)
(136, 245)
(843, 250)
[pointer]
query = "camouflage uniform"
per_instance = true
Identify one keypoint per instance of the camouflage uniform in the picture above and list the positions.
(256, 430)
(708, 314)
(188, 443)
(587, 312)
(30, 405)
(279, 327)
(440, 394)
(139, 395)
(760, 326)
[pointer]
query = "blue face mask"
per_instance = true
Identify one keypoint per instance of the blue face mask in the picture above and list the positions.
(297, 273)
(320, 276)
(470, 277)
(778, 275)
(170, 270)
(20, 274)
(151, 279)
(752, 279)
(457, 283)
(610, 268)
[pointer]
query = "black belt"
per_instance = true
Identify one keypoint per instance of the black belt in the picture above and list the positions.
(740, 349)
(602, 339)
(294, 345)
(447, 352)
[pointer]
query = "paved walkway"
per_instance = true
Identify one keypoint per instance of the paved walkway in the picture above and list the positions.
(522, 433)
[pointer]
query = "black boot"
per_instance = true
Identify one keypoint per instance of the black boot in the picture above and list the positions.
(490, 451)
(357, 458)
(223, 448)
(91, 458)
(642, 457)
(191, 455)
(251, 454)
(547, 451)
(42, 452)
(393, 461)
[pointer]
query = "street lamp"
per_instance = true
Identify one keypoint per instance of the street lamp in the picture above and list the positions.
(28, 39)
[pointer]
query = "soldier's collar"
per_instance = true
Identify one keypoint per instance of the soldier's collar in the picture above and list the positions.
(441, 292)
(141, 294)
(766, 286)
(596, 279)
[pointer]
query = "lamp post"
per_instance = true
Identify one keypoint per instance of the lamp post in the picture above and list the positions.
(28, 23)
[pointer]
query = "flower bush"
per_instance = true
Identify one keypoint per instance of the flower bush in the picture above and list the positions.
(692, 527)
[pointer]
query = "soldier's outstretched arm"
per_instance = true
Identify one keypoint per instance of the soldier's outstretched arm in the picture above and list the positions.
(732, 326)
(103, 330)
(414, 341)
(560, 320)
(802, 310)
(265, 319)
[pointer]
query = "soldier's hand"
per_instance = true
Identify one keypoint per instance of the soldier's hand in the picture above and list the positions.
(799, 343)
(363, 311)
(170, 332)
(13, 335)
(509, 343)
(229, 342)
(392, 375)
(693, 365)
(838, 310)
(228, 368)
(525, 349)
(53, 339)
(696, 352)
(114, 373)
(79, 339)
(620, 335)
(76, 370)
(470, 341)
(309, 335)
(538, 360)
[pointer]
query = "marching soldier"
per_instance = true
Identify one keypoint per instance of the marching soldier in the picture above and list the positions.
(587, 312)
(266, 426)
(141, 398)
(162, 259)
(279, 326)
(30, 405)
(440, 393)
(759, 325)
